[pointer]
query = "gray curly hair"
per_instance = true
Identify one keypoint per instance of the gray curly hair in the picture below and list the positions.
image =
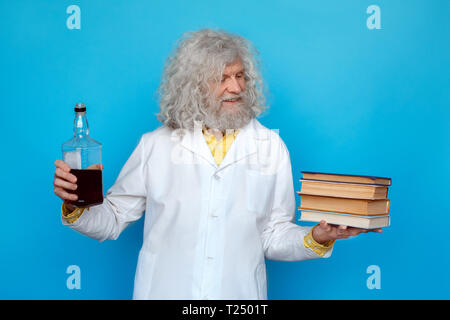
(199, 58)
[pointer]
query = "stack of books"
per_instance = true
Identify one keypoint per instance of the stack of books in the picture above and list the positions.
(350, 200)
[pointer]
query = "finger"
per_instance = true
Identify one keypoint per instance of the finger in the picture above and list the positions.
(341, 230)
(96, 166)
(61, 164)
(378, 230)
(355, 231)
(64, 195)
(64, 184)
(326, 227)
(65, 175)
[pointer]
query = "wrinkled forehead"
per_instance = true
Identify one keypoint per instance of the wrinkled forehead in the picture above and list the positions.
(233, 67)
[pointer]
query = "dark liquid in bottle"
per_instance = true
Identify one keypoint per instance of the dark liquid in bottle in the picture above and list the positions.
(89, 187)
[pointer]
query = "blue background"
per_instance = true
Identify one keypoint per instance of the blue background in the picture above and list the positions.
(345, 99)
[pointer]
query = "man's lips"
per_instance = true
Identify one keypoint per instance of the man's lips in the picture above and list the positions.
(231, 101)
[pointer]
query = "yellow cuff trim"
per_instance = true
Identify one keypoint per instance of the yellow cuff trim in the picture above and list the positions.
(318, 248)
(73, 216)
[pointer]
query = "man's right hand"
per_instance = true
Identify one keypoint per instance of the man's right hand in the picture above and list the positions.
(65, 183)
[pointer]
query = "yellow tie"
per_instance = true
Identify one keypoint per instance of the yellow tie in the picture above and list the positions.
(221, 147)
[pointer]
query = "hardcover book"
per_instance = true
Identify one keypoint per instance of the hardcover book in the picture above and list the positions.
(343, 189)
(346, 178)
(345, 205)
(346, 219)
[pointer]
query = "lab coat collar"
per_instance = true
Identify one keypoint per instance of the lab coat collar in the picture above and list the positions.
(243, 146)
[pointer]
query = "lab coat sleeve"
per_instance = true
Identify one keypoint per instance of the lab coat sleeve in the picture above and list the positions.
(123, 203)
(282, 238)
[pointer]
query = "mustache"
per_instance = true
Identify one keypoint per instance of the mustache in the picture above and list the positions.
(232, 96)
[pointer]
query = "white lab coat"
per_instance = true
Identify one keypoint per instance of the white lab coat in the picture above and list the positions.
(207, 228)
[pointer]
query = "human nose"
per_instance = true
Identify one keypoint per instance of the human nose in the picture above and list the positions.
(233, 86)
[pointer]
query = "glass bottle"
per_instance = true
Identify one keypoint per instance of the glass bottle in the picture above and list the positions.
(84, 156)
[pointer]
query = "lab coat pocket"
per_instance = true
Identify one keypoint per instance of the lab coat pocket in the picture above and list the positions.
(259, 191)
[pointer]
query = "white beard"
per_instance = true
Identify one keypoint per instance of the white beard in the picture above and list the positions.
(224, 118)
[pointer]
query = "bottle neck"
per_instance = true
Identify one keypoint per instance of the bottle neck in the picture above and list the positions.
(80, 125)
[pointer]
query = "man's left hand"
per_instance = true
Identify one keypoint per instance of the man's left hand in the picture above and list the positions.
(325, 232)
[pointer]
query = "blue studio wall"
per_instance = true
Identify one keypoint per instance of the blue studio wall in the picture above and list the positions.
(358, 87)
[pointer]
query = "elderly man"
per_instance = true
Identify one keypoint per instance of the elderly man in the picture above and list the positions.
(215, 184)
